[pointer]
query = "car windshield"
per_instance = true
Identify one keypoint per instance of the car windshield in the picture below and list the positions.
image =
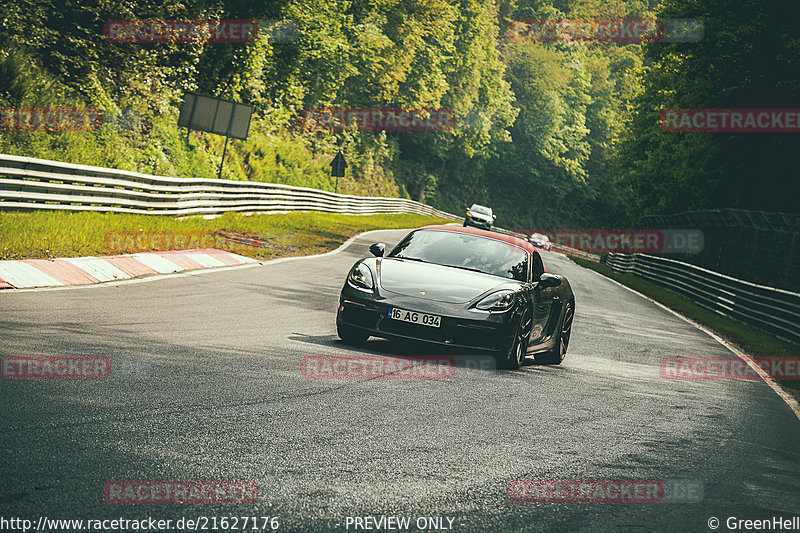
(463, 250)
(481, 210)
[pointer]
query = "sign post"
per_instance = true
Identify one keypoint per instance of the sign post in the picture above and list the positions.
(214, 115)
(337, 168)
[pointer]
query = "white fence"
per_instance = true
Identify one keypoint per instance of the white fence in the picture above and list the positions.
(28, 183)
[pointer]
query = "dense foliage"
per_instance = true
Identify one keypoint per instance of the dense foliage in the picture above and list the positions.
(749, 58)
(550, 134)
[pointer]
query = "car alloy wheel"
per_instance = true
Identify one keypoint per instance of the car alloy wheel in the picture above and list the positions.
(566, 329)
(556, 355)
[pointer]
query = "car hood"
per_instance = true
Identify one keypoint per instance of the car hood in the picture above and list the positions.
(440, 283)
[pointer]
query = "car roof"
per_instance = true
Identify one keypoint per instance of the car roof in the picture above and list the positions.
(483, 233)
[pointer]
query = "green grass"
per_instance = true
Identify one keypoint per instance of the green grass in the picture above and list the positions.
(751, 340)
(49, 234)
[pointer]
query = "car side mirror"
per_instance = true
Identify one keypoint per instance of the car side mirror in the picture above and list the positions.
(548, 280)
(377, 249)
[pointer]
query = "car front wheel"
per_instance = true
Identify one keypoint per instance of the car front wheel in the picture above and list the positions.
(556, 355)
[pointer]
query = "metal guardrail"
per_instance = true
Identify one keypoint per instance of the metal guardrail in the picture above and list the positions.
(774, 310)
(29, 183)
(772, 237)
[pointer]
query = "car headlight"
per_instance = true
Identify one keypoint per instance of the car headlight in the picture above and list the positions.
(497, 301)
(361, 277)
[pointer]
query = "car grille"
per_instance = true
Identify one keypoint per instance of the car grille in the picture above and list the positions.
(413, 330)
(478, 336)
(452, 330)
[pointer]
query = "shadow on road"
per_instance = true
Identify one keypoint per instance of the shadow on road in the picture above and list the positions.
(475, 359)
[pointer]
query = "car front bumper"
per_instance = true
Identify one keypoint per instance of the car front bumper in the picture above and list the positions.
(481, 224)
(491, 332)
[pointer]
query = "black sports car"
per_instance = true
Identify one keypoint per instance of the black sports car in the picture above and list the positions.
(460, 287)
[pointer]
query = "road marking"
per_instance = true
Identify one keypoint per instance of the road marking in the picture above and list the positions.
(21, 274)
(98, 268)
(780, 391)
(205, 260)
(158, 263)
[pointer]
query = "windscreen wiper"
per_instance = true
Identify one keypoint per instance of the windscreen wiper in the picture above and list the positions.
(409, 258)
(466, 268)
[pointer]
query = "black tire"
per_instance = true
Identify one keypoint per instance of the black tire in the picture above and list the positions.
(559, 351)
(514, 357)
(351, 335)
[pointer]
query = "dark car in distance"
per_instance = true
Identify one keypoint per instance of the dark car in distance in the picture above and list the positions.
(479, 216)
(460, 287)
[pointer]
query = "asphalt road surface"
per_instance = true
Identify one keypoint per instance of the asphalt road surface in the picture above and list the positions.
(206, 385)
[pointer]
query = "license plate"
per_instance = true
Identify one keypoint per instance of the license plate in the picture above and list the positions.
(414, 317)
